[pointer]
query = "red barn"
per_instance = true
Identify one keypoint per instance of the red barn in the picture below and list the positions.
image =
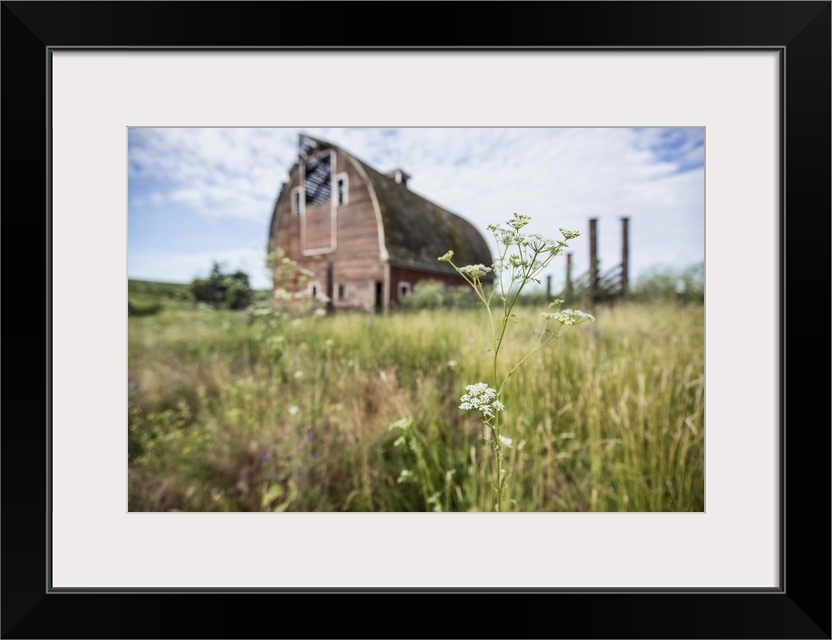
(365, 236)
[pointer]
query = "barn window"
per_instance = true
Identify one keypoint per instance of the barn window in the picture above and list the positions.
(318, 184)
(315, 289)
(342, 292)
(297, 206)
(342, 186)
(404, 289)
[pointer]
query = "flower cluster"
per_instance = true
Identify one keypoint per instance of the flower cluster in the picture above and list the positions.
(569, 317)
(510, 234)
(291, 295)
(475, 270)
(482, 398)
(518, 221)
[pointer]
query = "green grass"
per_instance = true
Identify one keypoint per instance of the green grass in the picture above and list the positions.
(611, 418)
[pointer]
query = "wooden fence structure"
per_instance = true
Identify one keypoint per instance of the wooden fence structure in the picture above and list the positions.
(595, 285)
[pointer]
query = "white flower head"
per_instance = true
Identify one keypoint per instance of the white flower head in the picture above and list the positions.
(447, 257)
(506, 441)
(475, 270)
(518, 221)
(539, 242)
(293, 410)
(403, 423)
(298, 374)
(577, 316)
(569, 317)
(282, 294)
(482, 398)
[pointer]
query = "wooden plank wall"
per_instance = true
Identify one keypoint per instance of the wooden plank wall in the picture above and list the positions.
(355, 261)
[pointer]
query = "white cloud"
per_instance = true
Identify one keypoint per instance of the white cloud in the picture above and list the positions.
(215, 172)
(560, 177)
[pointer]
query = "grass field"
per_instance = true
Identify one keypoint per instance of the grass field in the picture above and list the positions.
(234, 412)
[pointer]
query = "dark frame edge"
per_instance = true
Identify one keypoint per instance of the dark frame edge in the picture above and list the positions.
(800, 610)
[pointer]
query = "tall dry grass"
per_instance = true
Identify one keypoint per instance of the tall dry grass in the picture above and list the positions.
(228, 414)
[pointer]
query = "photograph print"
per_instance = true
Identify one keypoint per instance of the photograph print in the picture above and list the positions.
(416, 319)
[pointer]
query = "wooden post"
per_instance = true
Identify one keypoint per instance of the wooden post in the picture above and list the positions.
(625, 255)
(330, 289)
(593, 259)
(568, 291)
(548, 287)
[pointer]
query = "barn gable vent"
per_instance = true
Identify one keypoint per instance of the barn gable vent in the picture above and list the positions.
(399, 176)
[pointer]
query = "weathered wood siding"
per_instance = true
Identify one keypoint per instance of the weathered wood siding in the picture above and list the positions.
(356, 263)
(317, 224)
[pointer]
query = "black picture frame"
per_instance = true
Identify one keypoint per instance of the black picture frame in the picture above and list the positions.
(799, 608)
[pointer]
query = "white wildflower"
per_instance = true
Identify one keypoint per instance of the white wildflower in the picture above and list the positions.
(298, 374)
(402, 423)
(447, 257)
(475, 270)
(405, 475)
(518, 221)
(539, 242)
(293, 410)
(482, 398)
(506, 441)
(569, 317)
(282, 294)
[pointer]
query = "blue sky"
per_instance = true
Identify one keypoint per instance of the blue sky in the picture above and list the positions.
(199, 195)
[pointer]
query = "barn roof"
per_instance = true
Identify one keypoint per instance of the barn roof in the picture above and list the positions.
(416, 230)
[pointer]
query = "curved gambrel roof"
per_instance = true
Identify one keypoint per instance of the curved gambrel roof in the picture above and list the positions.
(416, 230)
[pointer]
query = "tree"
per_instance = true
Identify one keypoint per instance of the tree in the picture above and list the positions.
(222, 291)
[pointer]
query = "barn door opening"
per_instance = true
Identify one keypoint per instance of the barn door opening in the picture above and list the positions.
(379, 296)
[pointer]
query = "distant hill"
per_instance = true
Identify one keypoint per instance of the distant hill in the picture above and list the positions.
(146, 297)
(174, 290)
